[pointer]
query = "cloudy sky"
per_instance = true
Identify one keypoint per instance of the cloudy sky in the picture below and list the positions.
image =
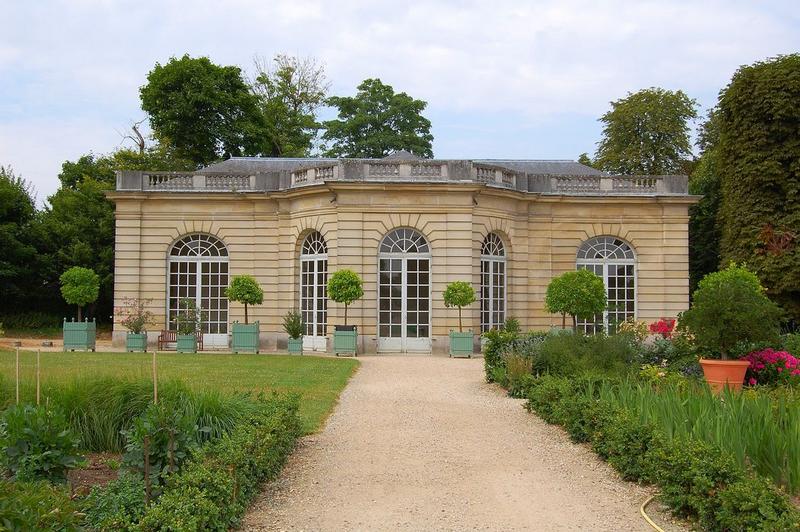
(502, 78)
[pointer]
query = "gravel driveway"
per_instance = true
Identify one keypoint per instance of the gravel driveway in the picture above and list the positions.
(423, 443)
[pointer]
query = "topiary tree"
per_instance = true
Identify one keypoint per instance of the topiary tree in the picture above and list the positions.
(80, 286)
(459, 294)
(345, 286)
(729, 307)
(245, 289)
(581, 294)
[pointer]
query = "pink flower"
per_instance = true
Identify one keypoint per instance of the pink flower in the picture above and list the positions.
(752, 381)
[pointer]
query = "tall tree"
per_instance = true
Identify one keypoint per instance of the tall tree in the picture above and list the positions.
(704, 229)
(290, 93)
(204, 110)
(17, 261)
(377, 121)
(647, 132)
(759, 164)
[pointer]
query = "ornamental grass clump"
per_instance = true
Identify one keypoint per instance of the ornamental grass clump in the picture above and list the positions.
(770, 367)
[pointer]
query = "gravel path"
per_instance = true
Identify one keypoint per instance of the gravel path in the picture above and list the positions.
(422, 443)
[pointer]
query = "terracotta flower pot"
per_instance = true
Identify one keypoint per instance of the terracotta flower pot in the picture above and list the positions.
(721, 373)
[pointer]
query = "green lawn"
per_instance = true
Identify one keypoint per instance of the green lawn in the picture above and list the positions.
(320, 380)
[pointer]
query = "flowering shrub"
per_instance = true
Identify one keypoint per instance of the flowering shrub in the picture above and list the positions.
(637, 329)
(664, 327)
(772, 367)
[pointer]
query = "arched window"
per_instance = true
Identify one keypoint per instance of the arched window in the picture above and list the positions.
(613, 260)
(404, 266)
(198, 270)
(314, 290)
(493, 282)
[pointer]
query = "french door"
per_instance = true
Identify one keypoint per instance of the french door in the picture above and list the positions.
(404, 304)
(314, 291)
(314, 303)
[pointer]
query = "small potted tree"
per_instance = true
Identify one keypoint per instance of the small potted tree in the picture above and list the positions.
(189, 324)
(293, 325)
(581, 294)
(245, 289)
(80, 286)
(460, 294)
(345, 286)
(135, 318)
(729, 308)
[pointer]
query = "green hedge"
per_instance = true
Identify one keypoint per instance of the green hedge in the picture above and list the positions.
(697, 479)
(215, 486)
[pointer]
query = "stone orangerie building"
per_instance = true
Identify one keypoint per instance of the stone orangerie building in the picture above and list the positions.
(407, 226)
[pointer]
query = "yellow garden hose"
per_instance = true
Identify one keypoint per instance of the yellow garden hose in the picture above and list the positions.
(647, 517)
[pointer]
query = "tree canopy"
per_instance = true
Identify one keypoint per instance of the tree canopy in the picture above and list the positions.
(459, 294)
(581, 294)
(290, 93)
(730, 307)
(345, 286)
(246, 290)
(17, 215)
(647, 132)
(80, 286)
(759, 150)
(205, 111)
(377, 121)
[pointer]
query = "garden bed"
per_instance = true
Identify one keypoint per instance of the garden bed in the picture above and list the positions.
(100, 469)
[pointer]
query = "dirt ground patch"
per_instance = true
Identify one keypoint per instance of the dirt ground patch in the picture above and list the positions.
(101, 468)
(423, 443)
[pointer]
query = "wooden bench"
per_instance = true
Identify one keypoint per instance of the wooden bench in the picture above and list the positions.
(171, 337)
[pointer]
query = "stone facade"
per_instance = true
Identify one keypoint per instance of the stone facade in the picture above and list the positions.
(262, 215)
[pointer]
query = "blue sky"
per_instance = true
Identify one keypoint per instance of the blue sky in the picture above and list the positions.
(503, 78)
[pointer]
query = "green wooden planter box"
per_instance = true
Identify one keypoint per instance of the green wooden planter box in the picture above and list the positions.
(186, 343)
(80, 335)
(245, 337)
(345, 341)
(461, 344)
(295, 345)
(136, 342)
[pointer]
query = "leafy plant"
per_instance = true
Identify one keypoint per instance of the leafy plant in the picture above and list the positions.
(188, 320)
(459, 294)
(80, 286)
(170, 436)
(135, 315)
(581, 294)
(37, 506)
(36, 443)
(293, 324)
(119, 505)
(729, 307)
(791, 343)
(245, 289)
(345, 286)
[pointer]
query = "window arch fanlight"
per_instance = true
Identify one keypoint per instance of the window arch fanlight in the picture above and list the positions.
(198, 245)
(198, 270)
(314, 244)
(314, 290)
(493, 282)
(404, 240)
(614, 261)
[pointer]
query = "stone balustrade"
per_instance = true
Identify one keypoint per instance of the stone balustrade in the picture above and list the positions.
(424, 171)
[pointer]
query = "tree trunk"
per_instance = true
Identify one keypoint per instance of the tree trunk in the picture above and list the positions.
(245, 313)
(80, 313)
(574, 324)
(563, 320)
(459, 320)
(345, 313)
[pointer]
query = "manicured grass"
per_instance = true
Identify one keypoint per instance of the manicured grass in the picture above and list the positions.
(320, 380)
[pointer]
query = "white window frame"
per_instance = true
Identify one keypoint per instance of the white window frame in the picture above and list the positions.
(492, 255)
(314, 257)
(604, 253)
